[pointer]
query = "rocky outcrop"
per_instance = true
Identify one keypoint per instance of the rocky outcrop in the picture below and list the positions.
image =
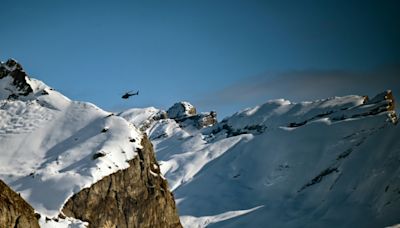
(135, 197)
(207, 119)
(181, 110)
(14, 211)
(199, 121)
(383, 102)
(161, 115)
(14, 70)
(386, 98)
(185, 114)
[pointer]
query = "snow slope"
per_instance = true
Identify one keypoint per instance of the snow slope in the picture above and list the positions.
(52, 147)
(327, 163)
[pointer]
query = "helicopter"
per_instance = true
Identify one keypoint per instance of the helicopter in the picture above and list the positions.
(129, 94)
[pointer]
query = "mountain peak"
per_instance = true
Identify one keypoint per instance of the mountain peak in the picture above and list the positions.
(53, 149)
(14, 80)
(181, 110)
(185, 113)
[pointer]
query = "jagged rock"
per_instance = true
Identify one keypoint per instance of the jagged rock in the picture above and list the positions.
(384, 102)
(207, 119)
(161, 115)
(199, 120)
(386, 97)
(3, 71)
(186, 115)
(13, 64)
(181, 110)
(19, 77)
(230, 131)
(14, 211)
(135, 197)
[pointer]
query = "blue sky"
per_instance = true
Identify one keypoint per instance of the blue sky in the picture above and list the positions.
(203, 51)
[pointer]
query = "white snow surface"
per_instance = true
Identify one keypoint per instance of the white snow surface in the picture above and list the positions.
(62, 223)
(140, 117)
(327, 163)
(48, 145)
(198, 222)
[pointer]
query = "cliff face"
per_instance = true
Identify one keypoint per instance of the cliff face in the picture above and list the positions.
(14, 211)
(135, 197)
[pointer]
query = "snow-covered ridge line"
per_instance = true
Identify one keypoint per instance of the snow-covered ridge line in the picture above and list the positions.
(283, 113)
(325, 163)
(204, 142)
(52, 147)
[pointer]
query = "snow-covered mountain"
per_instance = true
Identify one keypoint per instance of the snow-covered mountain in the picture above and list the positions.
(327, 163)
(52, 148)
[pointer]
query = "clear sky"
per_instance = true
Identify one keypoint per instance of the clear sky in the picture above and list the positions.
(219, 55)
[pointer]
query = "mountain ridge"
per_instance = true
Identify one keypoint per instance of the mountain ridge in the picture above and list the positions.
(281, 162)
(53, 148)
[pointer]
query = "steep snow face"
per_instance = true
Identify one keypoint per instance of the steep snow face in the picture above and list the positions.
(328, 163)
(140, 117)
(52, 147)
(143, 118)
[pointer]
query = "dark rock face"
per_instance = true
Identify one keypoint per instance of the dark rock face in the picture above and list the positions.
(207, 119)
(199, 120)
(134, 197)
(14, 69)
(161, 115)
(14, 211)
